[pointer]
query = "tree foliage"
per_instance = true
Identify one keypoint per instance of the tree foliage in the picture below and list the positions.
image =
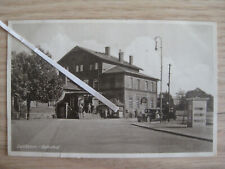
(165, 100)
(182, 96)
(33, 79)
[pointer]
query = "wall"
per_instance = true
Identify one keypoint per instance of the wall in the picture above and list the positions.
(112, 86)
(82, 58)
(112, 81)
(199, 113)
(133, 84)
(134, 94)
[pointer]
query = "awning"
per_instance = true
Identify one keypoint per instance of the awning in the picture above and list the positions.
(63, 96)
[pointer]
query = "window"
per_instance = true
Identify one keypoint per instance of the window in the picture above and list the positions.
(152, 87)
(146, 85)
(144, 100)
(151, 103)
(96, 66)
(131, 83)
(91, 67)
(138, 102)
(199, 121)
(95, 83)
(198, 108)
(130, 102)
(77, 68)
(138, 83)
(81, 68)
(199, 114)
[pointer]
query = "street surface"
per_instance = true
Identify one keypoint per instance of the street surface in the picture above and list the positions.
(97, 136)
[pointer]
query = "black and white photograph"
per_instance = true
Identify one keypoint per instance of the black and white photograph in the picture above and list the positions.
(162, 76)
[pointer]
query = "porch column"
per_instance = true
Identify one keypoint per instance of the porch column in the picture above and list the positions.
(66, 110)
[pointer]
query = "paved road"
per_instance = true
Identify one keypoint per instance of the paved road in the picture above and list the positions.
(97, 136)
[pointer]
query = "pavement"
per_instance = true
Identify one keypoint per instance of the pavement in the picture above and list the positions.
(199, 132)
(98, 136)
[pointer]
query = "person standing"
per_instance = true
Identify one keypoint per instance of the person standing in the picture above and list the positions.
(81, 110)
(89, 108)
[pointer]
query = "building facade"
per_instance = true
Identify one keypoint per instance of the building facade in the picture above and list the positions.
(113, 77)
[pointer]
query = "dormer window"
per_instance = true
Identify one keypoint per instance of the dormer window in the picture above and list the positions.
(96, 66)
(91, 67)
(77, 68)
(81, 68)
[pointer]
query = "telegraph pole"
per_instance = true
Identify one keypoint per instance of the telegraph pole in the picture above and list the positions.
(161, 72)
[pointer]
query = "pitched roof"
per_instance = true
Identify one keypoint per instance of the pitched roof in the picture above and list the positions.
(110, 59)
(119, 69)
(197, 93)
(70, 86)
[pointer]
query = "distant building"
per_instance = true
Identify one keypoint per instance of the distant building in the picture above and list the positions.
(199, 93)
(113, 77)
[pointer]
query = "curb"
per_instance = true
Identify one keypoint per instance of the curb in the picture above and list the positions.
(175, 133)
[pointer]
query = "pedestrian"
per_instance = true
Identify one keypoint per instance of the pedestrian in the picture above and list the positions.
(143, 115)
(135, 113)
(106, 113)
(127, 114)
(81, 111)
(89, 108)
(157, 115)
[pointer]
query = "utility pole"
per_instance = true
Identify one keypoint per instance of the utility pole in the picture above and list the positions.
(161, 70)
(169, 88)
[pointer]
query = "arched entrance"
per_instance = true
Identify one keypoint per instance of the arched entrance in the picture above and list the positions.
(144, 102)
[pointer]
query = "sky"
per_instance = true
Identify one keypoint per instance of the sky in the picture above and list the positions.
(188, 46)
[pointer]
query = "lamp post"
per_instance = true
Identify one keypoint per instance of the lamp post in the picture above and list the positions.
(158, 39)
(169, 88)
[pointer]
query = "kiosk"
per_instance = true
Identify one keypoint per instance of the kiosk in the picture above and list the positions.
(196, 112)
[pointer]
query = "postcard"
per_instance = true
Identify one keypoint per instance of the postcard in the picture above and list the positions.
(162, 75)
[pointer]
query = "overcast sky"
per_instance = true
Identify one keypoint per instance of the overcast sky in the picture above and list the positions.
(188, 47)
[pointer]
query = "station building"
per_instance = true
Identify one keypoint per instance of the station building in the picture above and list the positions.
(116, 79)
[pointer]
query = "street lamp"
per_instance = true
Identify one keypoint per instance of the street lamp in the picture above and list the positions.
(158, 39)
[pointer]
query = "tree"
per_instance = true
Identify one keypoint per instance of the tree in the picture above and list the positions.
(33, 79)
(168, 107)
(180, 95)
(165, 100)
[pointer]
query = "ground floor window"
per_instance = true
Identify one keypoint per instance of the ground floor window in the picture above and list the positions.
(131, 102)
(151, 103)
(138, 102)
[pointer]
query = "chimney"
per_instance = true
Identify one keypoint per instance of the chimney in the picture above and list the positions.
(131, 59)
(107, 50)
(120, 56)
